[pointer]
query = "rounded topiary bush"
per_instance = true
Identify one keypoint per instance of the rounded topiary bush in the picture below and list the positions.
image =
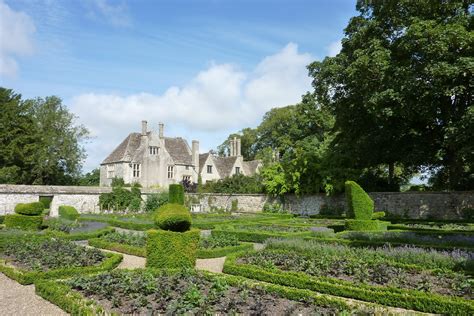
(176, 194)
(68, 212)
(173, 217)
(31, 209)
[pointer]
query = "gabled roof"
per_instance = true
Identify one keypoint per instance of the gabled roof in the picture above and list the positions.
(250, 167)
(224, 165)
(202, 160)
(179, 150)
(126, 149)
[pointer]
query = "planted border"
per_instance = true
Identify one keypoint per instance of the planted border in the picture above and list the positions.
(223, 251)
(409, 299)
(257, 236)
(123, 248)
(25, 277)
(119, 223)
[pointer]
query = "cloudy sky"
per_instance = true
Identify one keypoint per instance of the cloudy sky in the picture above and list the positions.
(204, 68)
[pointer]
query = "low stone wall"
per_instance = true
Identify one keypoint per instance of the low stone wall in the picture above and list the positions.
(426, 205)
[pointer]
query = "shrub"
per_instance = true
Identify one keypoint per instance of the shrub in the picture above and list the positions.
(234, 206)
(68, 212)
(46, 200)
(155, 201)
(174, 217)
(377, 215)
(360, 205)
(167, 249)
(23, 222)
(34, 209)
(354, 224)
(176, 194)
(2, 219)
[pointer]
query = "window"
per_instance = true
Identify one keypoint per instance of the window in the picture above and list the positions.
(209, 169)
(110, 171)
(186, 178)
(187, 167)
(170, 172)
(154, 150)
(136, 170)
(237, 170)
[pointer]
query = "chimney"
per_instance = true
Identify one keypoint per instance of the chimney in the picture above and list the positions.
(235, 146)
(195, 154)
(238, 147)
(161, 129)
(231, 148)
(144, 128)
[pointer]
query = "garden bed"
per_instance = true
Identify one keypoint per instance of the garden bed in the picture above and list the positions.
(128, 243)
(220, 245)
(153, 292)
(28, 259)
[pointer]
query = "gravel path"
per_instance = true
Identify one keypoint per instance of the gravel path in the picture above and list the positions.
(212, 265)
(17, 299)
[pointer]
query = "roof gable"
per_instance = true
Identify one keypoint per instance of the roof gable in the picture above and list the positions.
(179, 150)
(126, 149)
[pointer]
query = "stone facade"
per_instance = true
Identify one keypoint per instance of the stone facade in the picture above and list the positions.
(415, 205)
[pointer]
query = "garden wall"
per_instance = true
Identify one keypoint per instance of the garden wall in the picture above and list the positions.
(435, 205)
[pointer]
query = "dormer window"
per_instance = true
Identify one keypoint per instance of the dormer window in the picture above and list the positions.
(237, 170)
(209, 168)
(154, 150)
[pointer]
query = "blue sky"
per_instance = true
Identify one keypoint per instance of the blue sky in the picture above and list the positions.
(204, 68)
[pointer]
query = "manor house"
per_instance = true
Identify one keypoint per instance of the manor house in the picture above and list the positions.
(152, 159)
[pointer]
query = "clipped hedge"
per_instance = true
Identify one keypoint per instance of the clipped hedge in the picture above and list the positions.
(46, 201)
(223, 251)
(24, 277)
(360, 205)
(364, 225)
(23, 222)
(173, 217)
(30, 209)
(85, 235)
(119, 223)
(68, 212)
(378, 215)
(176, 194)
(123, 248)
(257, 236)
(409, 299)
(167, 249)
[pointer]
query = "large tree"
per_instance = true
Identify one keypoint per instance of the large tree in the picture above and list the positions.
(401, 88)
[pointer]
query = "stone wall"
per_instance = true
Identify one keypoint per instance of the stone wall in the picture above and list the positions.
(429, 205)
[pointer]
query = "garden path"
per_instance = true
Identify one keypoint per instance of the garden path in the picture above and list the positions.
(212, 265)
(17, 299)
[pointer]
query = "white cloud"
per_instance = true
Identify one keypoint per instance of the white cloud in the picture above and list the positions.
(117, 14)
(216, 100)
(16, 30)
(334, 48)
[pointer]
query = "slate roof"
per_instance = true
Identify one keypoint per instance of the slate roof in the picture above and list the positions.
(179, 150)
(251, 166)
(202, 160)
(224, 165)
(126, 149)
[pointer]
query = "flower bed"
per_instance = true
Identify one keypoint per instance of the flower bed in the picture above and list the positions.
(220, 246)
(153, 292)
(129, 243)
(31, 258)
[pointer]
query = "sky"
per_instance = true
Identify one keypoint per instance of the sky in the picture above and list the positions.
(203, 68)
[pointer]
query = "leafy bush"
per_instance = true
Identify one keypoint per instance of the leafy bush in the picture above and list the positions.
(218, 241)
(274, 207)
(46, 201)
(60, 224)
(378, 215)
(155, 201)
(132, 239)
(238, 183)
(34, 209)
(174, 217)
(121, 199)
(234, 206)
(23, 222)
(2, 219)
(354, 224)
(360, 205)
(168, 249)
(68, 212)
(176, 194)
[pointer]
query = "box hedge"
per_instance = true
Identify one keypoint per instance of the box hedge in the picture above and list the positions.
(33, 209)
(363, 225)
(23, 222)
(173, 217)
(167, 249)
(114, 246)
(360, 205)
(176, 194)
(68, 212)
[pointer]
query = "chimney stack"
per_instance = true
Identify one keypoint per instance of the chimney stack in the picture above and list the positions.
(195, 154)
(231, 148)
(238, 153)
(161, 129)
(144, 128)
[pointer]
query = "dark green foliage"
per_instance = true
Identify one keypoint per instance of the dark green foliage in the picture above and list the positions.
(46, 200)
(155, 201)
(360, 205)
(173, 217)
(121, 199)
(34, 208)
(176, 194)
(238, 183)
(218, 241)
(119, 247)
(168, 249)
(68, 212)
(91, 178)
(23, 222)
(234, 206)
(2, 219)
(355, 224)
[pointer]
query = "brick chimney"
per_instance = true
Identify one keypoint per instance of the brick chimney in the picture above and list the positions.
(161, 129)
(144, 128)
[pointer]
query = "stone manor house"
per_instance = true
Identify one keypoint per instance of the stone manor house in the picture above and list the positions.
(152, 159)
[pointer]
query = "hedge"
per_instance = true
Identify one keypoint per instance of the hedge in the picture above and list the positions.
(176, 194)
(257, 236)
(167, 249)
(360, 205)
(75, 303)
(119, 223)
(85, 235)
(2, 219)
(24, 277)
(68, 212)
(123, 248)
(46, 201)
(223, 251)
(173, 217)
(365, 225)
(33, 209)
(23, 222)
(409, 299)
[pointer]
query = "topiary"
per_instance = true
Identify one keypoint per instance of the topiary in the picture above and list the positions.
(173, 217)
(176, 194)
(30, 209)
(360, 205)
(68, 212)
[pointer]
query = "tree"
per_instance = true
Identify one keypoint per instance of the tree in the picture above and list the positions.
(247, 136)
(91, 178)
(401, 88)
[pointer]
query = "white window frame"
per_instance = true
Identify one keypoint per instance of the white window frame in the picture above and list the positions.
(110, 171)
(136, 168)
(170, 172)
